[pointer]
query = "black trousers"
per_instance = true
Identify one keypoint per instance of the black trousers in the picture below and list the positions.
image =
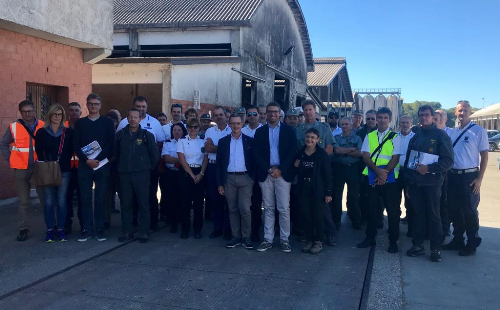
(192, 197)
(163, 182)
(364, 197)
(296, 211)
(443, 205)
(72, 188)
(153, 200)
(402, 189)
(463, 205)
(217, 202)
(346, 174)
(173, 207)
(388, 194)
(256, 207)
(135, 184)
(426, 215)
(313, 210)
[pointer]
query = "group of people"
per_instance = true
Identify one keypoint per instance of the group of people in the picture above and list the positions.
(256, 166)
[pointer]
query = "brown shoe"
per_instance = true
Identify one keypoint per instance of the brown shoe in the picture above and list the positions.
(308, 247)
(317, 247)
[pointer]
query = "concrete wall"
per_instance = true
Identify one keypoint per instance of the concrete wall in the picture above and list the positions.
(217, 83)
(80, 23)
(139, 73)
(273, 31)
(23, 59)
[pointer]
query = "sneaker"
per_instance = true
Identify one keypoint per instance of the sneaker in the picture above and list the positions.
(316, 248)
(23, 235)
(233, 243)
(454, 245)
(393, 247)
(307, 248)
(330, 240)
(467, 250)
(143, 238)
(61, 236)
(264, 246)
(366, 243)
(84, 236)
(126, 237)
(436, 256)
(416, 250)
(100, 236)
(285, 247)
(215, 234)
(247, 244)
(49, 238)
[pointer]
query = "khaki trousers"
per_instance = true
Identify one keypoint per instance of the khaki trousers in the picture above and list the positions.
(23, 191)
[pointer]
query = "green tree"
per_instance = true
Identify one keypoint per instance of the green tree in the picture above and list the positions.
(411, 109)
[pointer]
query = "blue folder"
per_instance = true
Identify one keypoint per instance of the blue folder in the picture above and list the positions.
(391, 177)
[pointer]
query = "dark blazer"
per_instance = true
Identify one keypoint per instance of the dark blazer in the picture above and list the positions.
(223, 158)
(262, 152)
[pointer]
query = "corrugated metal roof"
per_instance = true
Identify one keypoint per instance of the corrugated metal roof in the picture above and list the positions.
(493, 109)
(329, 60)
(183, 12)
(323, 73)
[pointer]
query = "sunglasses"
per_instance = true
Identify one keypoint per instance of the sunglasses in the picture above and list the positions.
(370, 118)
(193, 127)
(250, 114)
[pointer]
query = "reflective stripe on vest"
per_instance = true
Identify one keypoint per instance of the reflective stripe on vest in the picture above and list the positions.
(386, 152)
(20, 147)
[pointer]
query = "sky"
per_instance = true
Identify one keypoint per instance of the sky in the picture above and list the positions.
(434, 50)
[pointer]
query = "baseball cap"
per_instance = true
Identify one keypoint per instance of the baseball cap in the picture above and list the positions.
(241, 110)
(205, 116)
(357, 112)
(292, 112)
(333, 113)
(300, 110)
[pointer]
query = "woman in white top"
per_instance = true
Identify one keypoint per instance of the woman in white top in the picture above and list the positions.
(193, 161)
(172, 166)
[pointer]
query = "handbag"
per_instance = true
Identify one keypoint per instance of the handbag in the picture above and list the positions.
(48, 173)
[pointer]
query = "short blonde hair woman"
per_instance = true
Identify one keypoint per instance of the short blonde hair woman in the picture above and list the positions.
(57, 111)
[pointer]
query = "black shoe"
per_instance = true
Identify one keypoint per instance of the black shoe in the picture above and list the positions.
(233, 243)
(126, 237)
(143, 238)
(227, 234)
(366, 243)
(255, 236)
(356, 225)
(23, 235)
(184, 235)
(393, 247)
(247, 244)
(416, 250)
(330, 240)
(106, 225)
(468, 250)
(197, 235)
(454, 245)
(215, 234)
(436, 256)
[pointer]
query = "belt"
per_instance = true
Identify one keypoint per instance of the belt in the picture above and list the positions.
(195, 166)
(238, 173)
(307, 179)
(462, 171)
(212, 161)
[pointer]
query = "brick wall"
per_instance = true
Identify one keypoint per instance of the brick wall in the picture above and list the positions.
(25, 59)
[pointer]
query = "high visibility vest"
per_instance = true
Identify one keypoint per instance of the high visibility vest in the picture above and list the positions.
(386, 152)
(19, 154)
(74, 158)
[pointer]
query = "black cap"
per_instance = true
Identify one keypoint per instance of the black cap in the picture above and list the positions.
(333, 113)
(357, 112)
(205, 116)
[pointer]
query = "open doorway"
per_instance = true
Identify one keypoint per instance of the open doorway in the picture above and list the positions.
(282, 92)
(248, 92)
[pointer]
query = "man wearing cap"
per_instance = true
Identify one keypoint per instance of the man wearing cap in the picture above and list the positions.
(292, 118)
(333, 120)
(357, 119)
(205, 121)
(301, 115)
(242, 112)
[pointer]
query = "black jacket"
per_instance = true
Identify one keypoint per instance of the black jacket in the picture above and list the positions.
(223, 157)
(322, 173)
(87, 131)
(47, 147)
(286, 150)
(136, 151)
(433, 141)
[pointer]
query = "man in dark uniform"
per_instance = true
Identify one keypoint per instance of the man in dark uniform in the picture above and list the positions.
(425, 179)
(347, 148)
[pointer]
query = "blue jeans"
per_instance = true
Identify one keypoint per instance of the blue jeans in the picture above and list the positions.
(93, 218)
(55, 197)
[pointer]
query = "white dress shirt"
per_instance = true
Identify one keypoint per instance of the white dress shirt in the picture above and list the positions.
(170, 149)
(405, 140)
(337, 131)
(167, 130)
(250, 132)
(236, 155)
(192, 149)
(216, 134)
(467, 149)
(149, 123)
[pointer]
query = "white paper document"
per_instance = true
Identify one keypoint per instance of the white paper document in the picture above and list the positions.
(422, 158)
(92, 150)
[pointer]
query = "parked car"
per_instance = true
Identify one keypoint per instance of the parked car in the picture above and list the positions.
(494, 142)
(492, 133)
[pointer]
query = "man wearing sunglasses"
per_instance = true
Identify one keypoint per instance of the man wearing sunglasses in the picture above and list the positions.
(333, 120)
(18, 148)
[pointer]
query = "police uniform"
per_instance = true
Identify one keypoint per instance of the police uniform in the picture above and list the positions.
(346, 171)
(172, 175)
(463, 203)
(191, 193)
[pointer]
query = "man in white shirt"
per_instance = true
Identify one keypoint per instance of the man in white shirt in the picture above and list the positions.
(405, 134)
(470, 145)
(214, 202)
(175, 113)
(333, 121)
(253, 122)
